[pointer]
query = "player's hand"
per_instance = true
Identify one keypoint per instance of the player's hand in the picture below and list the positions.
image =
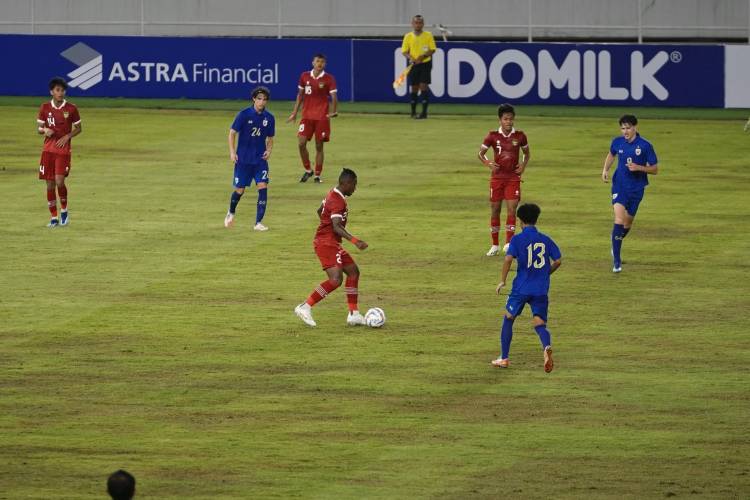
(520, 169)
(62, 141)
(48, 132)
(361, 245)
(233, 156)
(332, 115)
(292, 118)
(605, 176)
(499, 287)
(266, 154)
(634, 167)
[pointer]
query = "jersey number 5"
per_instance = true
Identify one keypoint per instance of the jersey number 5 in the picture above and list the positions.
(538, 259)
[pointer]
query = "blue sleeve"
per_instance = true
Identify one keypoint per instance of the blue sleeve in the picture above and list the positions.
(512, 250)
(272, 127)
(554, 251)
(651, 155)
(613, 146)
(238, 122)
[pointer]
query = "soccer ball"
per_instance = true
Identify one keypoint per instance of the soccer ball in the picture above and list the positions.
(375, 317)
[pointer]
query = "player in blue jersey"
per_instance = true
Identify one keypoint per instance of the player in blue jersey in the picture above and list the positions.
(636, 159)
(255, 127)
(538, 257)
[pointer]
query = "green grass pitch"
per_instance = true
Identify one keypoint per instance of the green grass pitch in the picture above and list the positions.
(148, 337)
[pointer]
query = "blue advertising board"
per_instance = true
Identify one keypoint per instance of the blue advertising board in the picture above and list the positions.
(551, 73)
(115, 66)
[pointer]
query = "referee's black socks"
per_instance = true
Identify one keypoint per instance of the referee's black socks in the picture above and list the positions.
(425, 102)
(413, 103)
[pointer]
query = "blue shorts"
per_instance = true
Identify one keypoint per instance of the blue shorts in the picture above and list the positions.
(245, 173)
(538, 304)
(629, 199)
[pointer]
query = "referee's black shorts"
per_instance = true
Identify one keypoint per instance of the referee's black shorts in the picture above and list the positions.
(421, 73)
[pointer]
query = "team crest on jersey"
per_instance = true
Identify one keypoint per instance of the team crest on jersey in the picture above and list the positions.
(321, 85)
(66, 114)
(515, 142)
(265, 122)
(614, 196)
(638, 150)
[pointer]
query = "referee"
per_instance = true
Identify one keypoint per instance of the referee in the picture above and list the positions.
(418, 47)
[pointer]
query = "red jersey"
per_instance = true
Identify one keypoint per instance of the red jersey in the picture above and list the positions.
(61, 121)
(507, 149)
(334, 206)
(316, 92)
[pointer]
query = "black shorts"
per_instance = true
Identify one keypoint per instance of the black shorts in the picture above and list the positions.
(421, 73)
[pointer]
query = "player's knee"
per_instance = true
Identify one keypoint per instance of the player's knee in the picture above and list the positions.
(335, 281)
(319, 145)
(537, 321)
(240, 191)
(509, 316)
(261, 185)
(60, 182)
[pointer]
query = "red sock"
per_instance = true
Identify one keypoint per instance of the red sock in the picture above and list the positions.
(306, 164)
(352, 293)
(321, 291)
(510, 227)
(52, 202)
(495, 229)
(62, 191)
(318, 169)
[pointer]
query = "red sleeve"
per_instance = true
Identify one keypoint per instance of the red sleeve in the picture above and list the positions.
(487, 142)
(41, 117)
(337, 206)
(301, 82)
(74, 116)
(331, 84)
(524, 141)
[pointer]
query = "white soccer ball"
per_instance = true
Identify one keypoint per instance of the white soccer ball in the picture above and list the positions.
(375, 317)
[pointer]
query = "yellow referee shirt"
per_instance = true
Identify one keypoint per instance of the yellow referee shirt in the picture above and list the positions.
(416, 45)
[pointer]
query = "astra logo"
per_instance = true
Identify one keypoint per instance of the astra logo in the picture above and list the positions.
(586, 74)
(89, 62)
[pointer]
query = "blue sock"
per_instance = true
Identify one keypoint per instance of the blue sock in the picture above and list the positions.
(506, 335)
(625, 231)
(617, 236)
(262, 201)
(233, 201)
(544, 336)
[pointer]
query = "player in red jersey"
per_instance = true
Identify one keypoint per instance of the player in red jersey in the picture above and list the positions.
(315, 87)
(58, 121)
(333, 213)
(507, 144)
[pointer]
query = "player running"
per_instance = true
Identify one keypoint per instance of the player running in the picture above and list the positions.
(58, 121)
(636, 159)
(538, 257)
(507, 144)
(314, 88)
(256, 128)
(333, 213)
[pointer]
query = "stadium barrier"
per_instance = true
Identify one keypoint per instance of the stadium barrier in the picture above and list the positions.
(463, 72)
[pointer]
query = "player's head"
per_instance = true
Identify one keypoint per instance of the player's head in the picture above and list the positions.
(528, 213)
(121, 485)
(628, 126)
(57, 88)
(319, 61)
(507, 114)
(260, 96)
(347, 182)
(417, 22)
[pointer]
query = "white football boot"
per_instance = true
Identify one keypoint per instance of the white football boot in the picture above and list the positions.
(304, 312)
(355, 318)
(494, 250)
(229, 220)
(260, 227)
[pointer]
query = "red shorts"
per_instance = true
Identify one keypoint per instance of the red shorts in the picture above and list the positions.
(332, 255)
(52, 164)
(320, 128)
(505, 189)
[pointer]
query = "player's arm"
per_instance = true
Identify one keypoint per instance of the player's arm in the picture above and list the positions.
(67, 137)
(607, 165)
(649, 169)
(504, 273)
(297, 104)
(334, 104)
(232, 150)
(554, 265)
(339, 229)
(269, 148)
(526, 152)
(483, 157)
(424, 56)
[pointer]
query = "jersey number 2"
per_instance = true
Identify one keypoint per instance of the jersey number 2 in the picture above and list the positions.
(538, 259)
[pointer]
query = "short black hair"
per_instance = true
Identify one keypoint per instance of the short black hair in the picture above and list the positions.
(529, 213)
(629, 119)
(347, 174)
(417, 16)
(121, 485)
(58, 81)
(260, 90)
(320, 55)
(505, 108)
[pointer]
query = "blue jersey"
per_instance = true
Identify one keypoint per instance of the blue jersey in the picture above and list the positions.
(252, 129)
(641, 152)
(534, 253)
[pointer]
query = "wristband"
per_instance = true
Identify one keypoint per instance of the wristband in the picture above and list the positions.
(354, 240)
